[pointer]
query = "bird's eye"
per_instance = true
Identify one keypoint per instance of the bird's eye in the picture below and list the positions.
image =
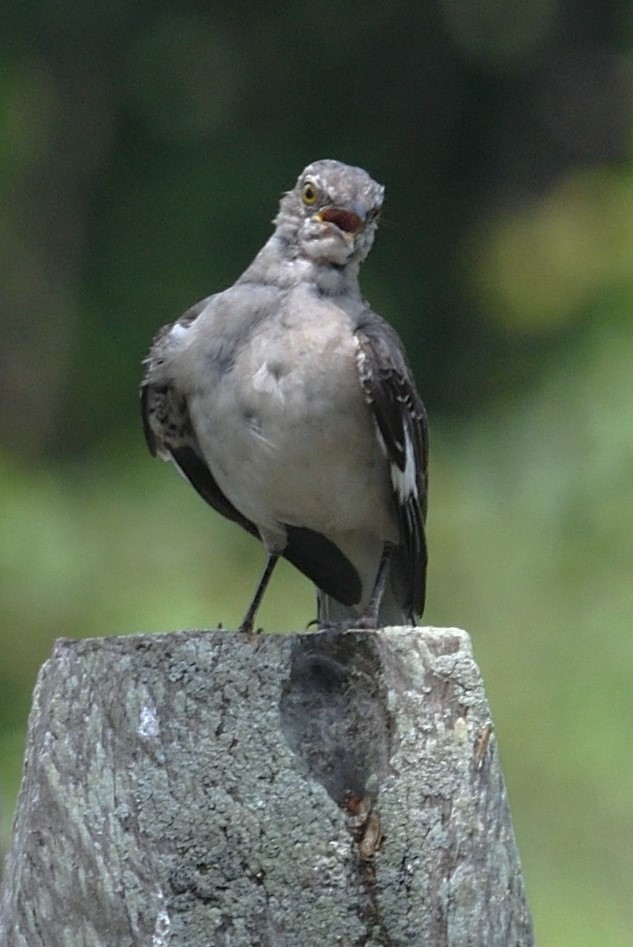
(309, 194)
(375, 213)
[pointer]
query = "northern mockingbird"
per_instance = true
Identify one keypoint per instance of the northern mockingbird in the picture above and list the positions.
(290, 406)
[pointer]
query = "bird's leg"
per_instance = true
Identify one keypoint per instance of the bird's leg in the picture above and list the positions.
(249, 618)
(370, 618)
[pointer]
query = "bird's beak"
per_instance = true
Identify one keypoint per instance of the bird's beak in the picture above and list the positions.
(350, 218)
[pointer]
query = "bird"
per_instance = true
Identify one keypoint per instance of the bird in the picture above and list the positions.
(291, 408)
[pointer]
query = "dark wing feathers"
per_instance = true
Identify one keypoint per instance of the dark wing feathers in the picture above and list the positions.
(401, 422)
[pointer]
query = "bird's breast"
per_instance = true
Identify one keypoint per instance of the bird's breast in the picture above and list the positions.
(287, 432)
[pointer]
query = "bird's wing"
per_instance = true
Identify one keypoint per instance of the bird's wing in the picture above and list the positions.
(170, 435)
(402, 431)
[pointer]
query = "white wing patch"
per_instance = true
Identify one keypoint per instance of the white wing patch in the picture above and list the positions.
(404, 481)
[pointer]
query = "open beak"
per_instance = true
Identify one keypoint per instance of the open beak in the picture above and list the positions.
(350, 219)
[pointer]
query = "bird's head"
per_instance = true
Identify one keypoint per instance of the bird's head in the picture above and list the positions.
(331, 214)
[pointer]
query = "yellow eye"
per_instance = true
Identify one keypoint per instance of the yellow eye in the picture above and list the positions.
(309, 194)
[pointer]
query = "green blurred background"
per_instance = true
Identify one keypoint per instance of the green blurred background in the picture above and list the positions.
(143, 148)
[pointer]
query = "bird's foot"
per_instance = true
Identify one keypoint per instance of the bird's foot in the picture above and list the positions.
(246, 628)
(362, 623)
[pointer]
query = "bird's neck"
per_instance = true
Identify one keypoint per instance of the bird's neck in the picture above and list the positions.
(277, 264)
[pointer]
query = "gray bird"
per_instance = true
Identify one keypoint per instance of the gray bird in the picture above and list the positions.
(290, 407)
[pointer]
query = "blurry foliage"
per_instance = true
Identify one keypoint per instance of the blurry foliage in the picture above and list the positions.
(143, 148)
(544, 263)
